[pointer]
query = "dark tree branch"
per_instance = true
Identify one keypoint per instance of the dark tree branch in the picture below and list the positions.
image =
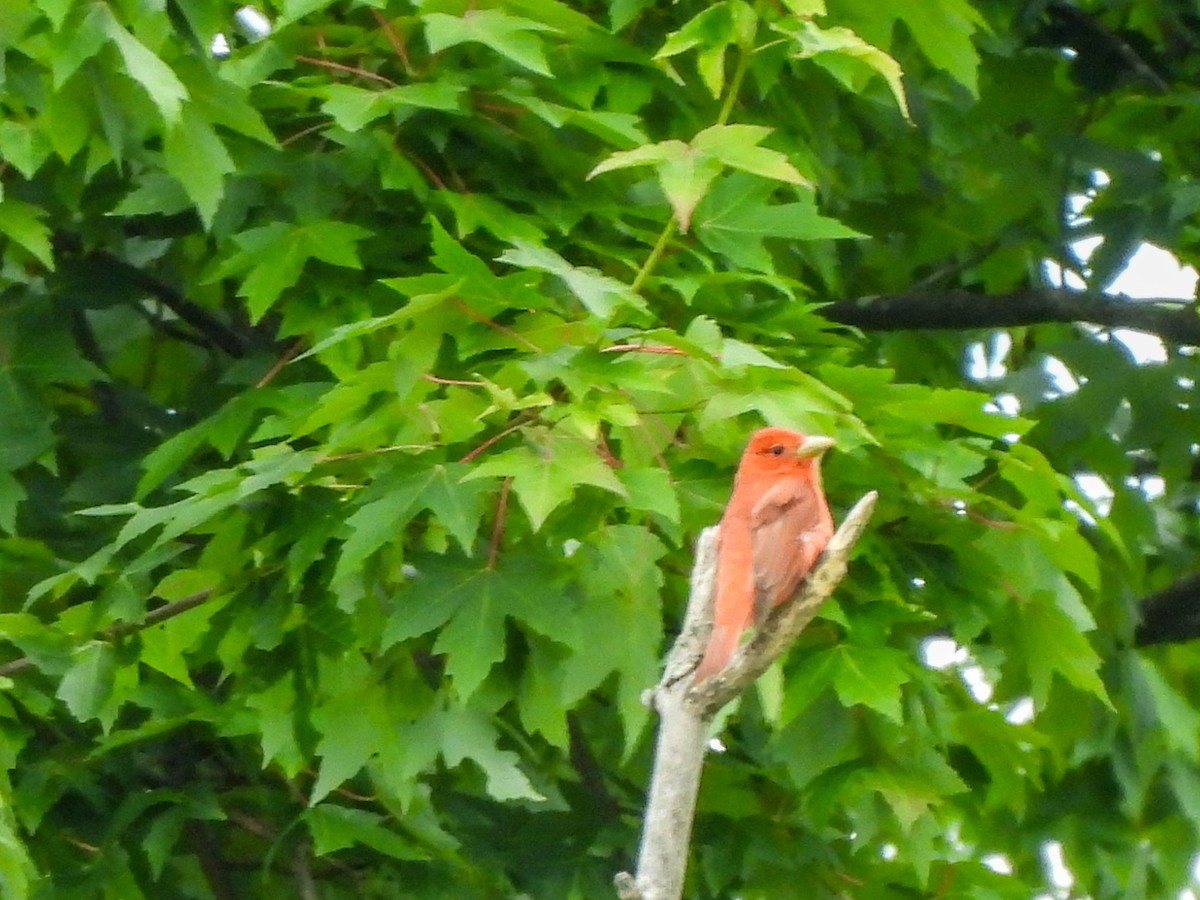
(1171, 615)
(215, 331)
(1105, 48)
(103, 264)
(121, 629)
(1175, 321)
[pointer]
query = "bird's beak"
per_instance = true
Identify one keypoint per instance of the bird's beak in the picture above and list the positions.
(815, 445)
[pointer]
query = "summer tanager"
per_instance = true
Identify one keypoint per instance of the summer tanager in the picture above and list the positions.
(775, 526)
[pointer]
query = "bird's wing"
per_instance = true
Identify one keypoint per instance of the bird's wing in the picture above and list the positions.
(783, 527)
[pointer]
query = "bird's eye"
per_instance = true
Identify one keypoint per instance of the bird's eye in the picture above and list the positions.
(777, 450)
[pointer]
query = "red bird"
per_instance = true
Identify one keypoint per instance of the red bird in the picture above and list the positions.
(775, 526)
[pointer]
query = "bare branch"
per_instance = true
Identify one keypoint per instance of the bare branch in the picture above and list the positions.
(686, 710)
(786, 621)
(1171, 615)
(1175, 321)
(120, 629)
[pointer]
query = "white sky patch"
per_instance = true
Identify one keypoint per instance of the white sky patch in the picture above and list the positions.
(1189, 893)
(943, 653)
(998, 863)
(1152, 273)
(987, 360)
(1146, 348)
(1006, 404)
(1020, 712)
(1095, 489)
(1056, 866)
(1084, 247)
(1060, 376)
(1155, 273)
(1151, 486)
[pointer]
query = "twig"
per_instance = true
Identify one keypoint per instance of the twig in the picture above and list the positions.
(519, 421)
(121, 629)
(306, 884)
(498, 524)
(687, 710)
(394, 39)
(644, 348)
(460, 382)
(288, 355)
(660, 246)
(503, 329)
(342, 67)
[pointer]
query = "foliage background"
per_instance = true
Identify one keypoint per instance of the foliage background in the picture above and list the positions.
(363, 385)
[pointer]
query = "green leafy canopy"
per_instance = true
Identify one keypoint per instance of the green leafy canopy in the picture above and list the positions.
(365, 379)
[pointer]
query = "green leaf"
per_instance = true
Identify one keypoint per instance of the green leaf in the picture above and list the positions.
(88, 683)
(165, 646)
(471, 604)
(735, 218)
(197, 158)
(353, 722)
(547, 470)
(375, 524)
(276, 724)
(1053, 644)
(457, 506)
(651, 490)
(354, 107)
(712, 31)
(273, 256)
(805, 8)
(620, 626)
(335, 828)
(79, 42)
(11, 496)
(21, 223)
(812, 675)
(845, 55)
(872, 676)
(23, 147)
(26, 427)
(686, 171)
(685, 180)
(155, 194)
(1005, 751)
(154, 75)
(466, 734)
(513, 37)
(943, 31)
(603, 296)
(736, 146)
(1174, 713)
(646, 155)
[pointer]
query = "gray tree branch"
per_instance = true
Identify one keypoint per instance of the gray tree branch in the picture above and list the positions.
(686, 710)
(1175, 321)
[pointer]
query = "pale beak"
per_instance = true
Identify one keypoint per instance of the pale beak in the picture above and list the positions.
(815, 445)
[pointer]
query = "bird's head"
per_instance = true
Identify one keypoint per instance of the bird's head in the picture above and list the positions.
(782, 450)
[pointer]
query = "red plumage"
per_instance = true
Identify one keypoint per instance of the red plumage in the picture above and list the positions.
(774, 527)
